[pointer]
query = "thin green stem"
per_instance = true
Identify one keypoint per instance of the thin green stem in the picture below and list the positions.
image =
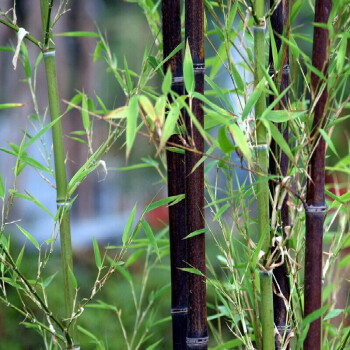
(16, 28)
(267, 318)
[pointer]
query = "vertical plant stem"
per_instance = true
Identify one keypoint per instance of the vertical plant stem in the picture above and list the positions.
(263, 186)
(197, 337)
(59, 157)
(315, 208)
(176, 181)
(280, 23)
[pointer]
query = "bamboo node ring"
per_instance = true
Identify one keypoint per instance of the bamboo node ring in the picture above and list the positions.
(199, 68)
(315, 210)
(197, 341)
(51, 53)
(63, 204)
(177, 80)
(265, 272)
(179, 310)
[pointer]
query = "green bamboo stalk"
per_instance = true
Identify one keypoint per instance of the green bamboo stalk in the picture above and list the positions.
(267, 318)
(59, 156)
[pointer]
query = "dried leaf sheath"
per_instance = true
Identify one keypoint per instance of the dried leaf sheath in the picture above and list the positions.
(176, 182)
(315, 208)
(197, 310)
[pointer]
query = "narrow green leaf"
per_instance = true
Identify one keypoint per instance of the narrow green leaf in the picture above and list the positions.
(328, 141)
(10, 105)
(20, 257)
(238, 79)
(192, 270)
(78, 34)
(131, 123)
(85, 112)
(2, 188)
(73, 280)
(169, 200)
(169, 125)
(341, 54)
(196, 233)
(188, 71)
(224, 142)
(278, 137)
(29, 236)
(241, 142)
(333, 313)
(97, 253)
(150, 236)
(166, 85)
(128, 226)
(124, 272)
(253, 98)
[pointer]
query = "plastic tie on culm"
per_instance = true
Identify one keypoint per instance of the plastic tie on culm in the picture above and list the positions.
(199, 68)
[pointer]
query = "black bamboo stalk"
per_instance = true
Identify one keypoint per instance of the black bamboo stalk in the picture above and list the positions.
(315, 207)
(197, 337)
(280, 23)
(176, 181)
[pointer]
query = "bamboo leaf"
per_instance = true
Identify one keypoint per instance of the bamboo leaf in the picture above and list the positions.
(341, 53)
(97, 253)
(150, 235)
(237, 77)
(196, 233)
(328, 141)
(131, 123)
(2, 188)
(278, 137)
(169, 125)
(29, 236)
(333, 313)
(128, 226)
(20, 257)
(85, 112)
(10, 105)
(253, 98)
(124, 272)
(188, 71)
(73, 280)
(241, 142)
(192, 270)
(79, 34)
(169, 200)
(224, 142)
(148, 107)
(166, 85)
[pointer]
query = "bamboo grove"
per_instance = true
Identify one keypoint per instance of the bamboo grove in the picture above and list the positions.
(239, 119)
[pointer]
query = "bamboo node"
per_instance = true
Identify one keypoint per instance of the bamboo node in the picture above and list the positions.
(315, 209)
(197, 341)
(265, 272)
(63, 204)
(50, 53)
(199, 68)
(179, 310)
(178, 80)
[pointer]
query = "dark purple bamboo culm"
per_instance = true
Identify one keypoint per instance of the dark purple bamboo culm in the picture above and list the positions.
(279, 23)
(176, 181)
(197, 337)
(315, 207)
